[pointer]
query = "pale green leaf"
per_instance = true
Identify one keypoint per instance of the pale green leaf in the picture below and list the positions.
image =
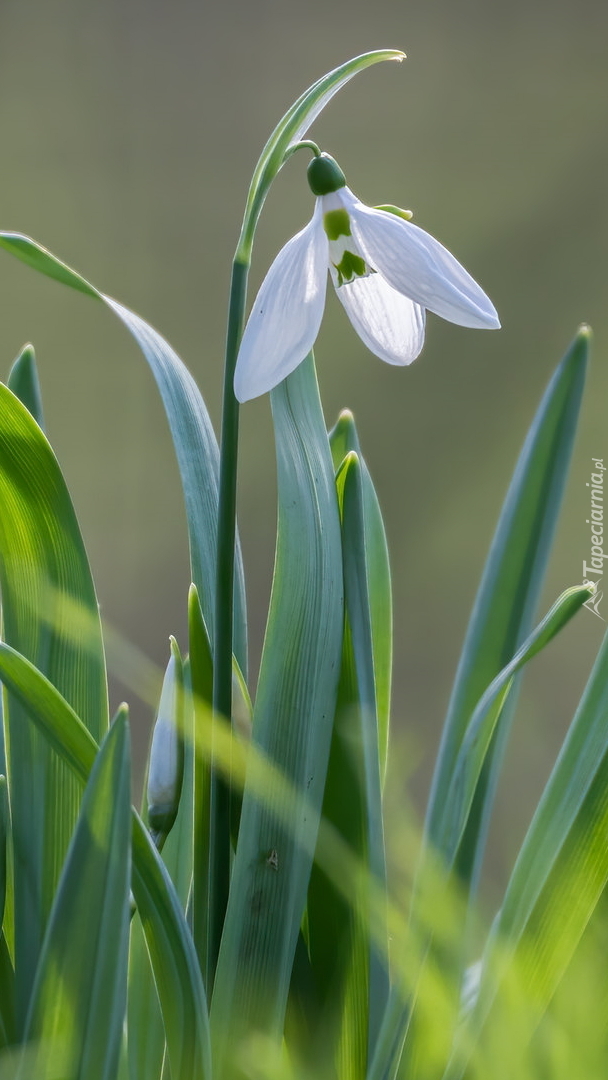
(343, 439)
(168, 938)
(509, 589)
(292, 725)
(486, 720)
(44, 575)
(193, 436)
(349, 964)
(79, 996)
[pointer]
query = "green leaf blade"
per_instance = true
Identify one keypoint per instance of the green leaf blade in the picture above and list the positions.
(44, 578)
(169, 942)
(292, 725)
(348, 947)
(79, 997)
(510, 585)
(191, 430)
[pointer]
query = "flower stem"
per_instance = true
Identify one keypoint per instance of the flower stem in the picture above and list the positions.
(219, 855)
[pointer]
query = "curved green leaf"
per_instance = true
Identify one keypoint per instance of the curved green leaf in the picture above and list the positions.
(78, 1002)
(487, 718)
(559, 876)
(509, 589)
(292, 726)
(343, 439)
(44, 574)
(349, 966)
(168, 938)
(191, 430)
(292, 127)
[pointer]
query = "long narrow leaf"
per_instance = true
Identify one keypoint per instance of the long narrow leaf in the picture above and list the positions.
(343, 439)
(349, 968)
(509, 588)
(486, 720)
(292, 725)
(193, 436)
(558, 879)
(172, 953)
(78, 1002)
(43, 573)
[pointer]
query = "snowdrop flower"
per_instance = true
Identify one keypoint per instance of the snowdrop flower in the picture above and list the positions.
(385, 270)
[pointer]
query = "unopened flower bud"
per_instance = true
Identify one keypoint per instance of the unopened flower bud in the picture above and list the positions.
(166, 767)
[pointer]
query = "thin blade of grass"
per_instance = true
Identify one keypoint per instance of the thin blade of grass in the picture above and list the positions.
(292, 724)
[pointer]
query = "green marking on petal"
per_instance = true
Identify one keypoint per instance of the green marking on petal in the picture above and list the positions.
(350, 267)
(407, 215)
(336, 223)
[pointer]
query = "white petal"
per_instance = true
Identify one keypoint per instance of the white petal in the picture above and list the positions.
(418, 266)
(390, 324)
(285, 318)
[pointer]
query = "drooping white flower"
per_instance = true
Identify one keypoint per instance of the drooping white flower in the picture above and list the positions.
(386, 272)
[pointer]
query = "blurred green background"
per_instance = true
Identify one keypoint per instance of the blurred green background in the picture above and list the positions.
(129, 131)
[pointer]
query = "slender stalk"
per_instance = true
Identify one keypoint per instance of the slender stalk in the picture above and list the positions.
(219, 854)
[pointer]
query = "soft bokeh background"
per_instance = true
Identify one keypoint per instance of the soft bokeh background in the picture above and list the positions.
(129, 132)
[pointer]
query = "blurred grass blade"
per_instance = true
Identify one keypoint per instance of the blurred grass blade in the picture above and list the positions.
(174, 961)
(168, 938)
(562, 868)
(193, 436)
(44, 573)
(486, 721)
(509, 590)
(145, 1031)
(344, 438)
(292, 725)
(78, 1001)
(350, 968)
(23, 381)
(292, 127)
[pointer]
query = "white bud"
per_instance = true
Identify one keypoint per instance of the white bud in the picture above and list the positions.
(165, 771)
